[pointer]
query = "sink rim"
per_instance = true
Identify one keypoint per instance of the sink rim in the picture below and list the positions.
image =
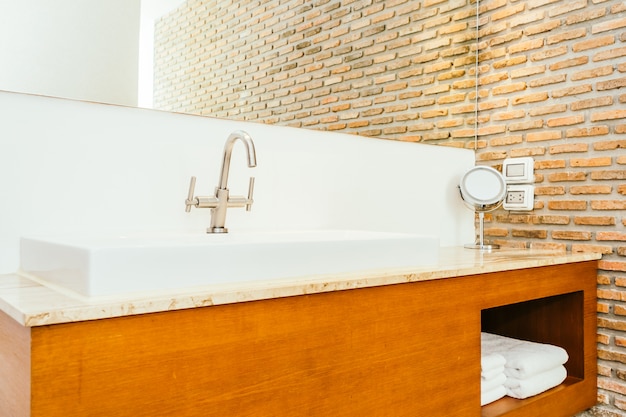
(98, 267)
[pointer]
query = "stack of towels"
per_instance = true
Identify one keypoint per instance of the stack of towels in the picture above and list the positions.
(492, 377)
(518, 368)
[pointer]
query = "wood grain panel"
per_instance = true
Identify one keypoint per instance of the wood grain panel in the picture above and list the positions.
(352, 353)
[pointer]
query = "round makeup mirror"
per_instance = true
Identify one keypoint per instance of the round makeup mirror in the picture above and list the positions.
(482, 189)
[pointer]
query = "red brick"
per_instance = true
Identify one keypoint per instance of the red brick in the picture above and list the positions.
(509, 62)
(543, 136)
(594, 220)
(586, 132)
(549, 53)
(567, 176)
(552, 79)
(612, 265)
(549, 164)
(507, 12)
(506, 140)
(542, 27)
(519, 152)
(585, 16)
(609, 175)
(591, 162)
(566, 36)
(593, 43)
(590, 189)
(610, 294)
(565, 121)
(611, 84)
(569, 63)
(509, 88)
(617, 236)
(571, 235)
(608, 204)
(567, 8)
(515, 114)
(529, 234)
(577, 205)
(560, 220)
(548, 246)
(592, 103)
(592, 73)
(586, 248)
(569, 148)
(549, 190)
(572, 91)
(608, 25)
(610, 145)
(603, 338)
(528, 71)
(612, 384)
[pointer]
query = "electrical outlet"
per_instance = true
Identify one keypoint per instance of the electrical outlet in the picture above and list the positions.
(515, 197)
(519, 197)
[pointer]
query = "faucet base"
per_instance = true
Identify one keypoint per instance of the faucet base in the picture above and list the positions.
(217, 230)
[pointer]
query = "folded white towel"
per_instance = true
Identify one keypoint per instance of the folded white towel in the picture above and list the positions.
(524, 388)
(491, 361)
(489, 384)
(523, 358)
(492, 373)
(493, 395)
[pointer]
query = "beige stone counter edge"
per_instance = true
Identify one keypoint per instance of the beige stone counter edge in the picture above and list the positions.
(33, 304)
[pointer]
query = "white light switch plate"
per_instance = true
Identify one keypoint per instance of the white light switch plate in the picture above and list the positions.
(518, 170)
(519, 197)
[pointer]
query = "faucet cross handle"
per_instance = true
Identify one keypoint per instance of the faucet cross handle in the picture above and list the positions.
(250, 200)
(191, 200)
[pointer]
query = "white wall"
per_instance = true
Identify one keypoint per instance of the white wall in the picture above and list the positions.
(151, 10)
(80, 49)
(75, 167)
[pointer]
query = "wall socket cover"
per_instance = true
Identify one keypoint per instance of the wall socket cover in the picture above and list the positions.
(518, 170)
(519, 197)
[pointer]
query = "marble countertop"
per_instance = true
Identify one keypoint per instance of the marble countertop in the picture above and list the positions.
(33, 304)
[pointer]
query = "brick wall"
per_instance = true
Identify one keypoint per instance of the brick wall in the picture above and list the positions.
(552, 85)
(399, 69)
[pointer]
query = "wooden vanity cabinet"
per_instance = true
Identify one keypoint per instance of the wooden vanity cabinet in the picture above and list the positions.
(409, 349)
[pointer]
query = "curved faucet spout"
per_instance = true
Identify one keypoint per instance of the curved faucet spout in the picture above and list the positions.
(228, 150)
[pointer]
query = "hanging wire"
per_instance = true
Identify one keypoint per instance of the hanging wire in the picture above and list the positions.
(476, 79)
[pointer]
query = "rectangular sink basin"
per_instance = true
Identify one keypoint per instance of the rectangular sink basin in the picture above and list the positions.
(114, 265)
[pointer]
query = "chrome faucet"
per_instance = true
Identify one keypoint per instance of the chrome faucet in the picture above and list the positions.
(221, 201)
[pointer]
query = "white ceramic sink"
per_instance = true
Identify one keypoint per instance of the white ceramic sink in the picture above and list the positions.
(114, 265)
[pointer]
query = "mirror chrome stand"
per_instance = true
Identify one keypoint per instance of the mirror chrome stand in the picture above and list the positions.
(481, 236)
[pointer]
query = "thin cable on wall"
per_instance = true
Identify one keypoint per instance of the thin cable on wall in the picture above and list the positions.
(476, 77)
